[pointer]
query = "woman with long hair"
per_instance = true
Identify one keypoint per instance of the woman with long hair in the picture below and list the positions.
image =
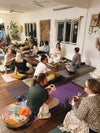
(38, 95)
(21, 64)
(58, 50)
(9, 59)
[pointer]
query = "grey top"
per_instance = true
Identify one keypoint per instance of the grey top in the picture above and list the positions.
(89, 110)
(76, 60)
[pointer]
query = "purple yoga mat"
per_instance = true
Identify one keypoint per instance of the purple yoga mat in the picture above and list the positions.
(17, 89)
(69, 90)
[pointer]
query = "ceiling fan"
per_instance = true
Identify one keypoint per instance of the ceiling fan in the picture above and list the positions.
(38, 3)
(17, 11)
(62, 8)
(11, 11)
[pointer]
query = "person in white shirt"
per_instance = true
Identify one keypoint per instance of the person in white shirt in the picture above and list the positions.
(58, 50)
(41, 67)
(41, 48)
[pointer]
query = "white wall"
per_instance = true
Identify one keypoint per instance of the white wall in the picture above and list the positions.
(73, 13)
(91, 53)
(7, 18)
(87, 45)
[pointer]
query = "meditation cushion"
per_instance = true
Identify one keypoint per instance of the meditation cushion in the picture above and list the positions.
(16, 115)
(56, 74)
(18, 76)
(53, 75)
(26, 47)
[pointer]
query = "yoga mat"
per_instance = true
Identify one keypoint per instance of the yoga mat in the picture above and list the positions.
(81, 80)
(57, 130)
(69, 90)
(17, 89)
(79, 70)
(7, 78)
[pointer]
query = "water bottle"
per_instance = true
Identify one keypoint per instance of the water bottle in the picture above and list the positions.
(66, 102)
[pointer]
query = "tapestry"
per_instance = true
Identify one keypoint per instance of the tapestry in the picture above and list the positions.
(45, 30)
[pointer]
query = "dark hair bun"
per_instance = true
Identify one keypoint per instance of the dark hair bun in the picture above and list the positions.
(77, 49)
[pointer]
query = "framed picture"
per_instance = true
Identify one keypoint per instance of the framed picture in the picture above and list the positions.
(94, 20)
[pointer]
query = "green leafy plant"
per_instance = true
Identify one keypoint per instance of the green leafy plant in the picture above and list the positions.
(32, 35)
(13, 29)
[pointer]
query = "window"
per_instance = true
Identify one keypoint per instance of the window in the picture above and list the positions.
(68, 31)
(29, 27)
(60, 31)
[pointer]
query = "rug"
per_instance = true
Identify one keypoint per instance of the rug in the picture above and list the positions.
(7, 78)
(17, 89)
(28, 81)
(69, 90)
(83, 68)
(81, 80)
(57, 130)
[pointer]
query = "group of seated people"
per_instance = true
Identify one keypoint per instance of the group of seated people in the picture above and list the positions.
(16, 62)
(89, 108)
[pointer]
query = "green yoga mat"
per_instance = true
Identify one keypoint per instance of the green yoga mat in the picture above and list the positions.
(81, 80)
(57, 130)
(82, 68)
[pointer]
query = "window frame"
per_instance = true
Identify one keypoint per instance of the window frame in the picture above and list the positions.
(64, 32)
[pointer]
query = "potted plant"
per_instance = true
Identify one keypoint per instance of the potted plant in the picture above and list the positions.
(14, 31)
(32, 38)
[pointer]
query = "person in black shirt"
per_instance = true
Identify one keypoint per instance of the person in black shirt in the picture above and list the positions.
(21, 64)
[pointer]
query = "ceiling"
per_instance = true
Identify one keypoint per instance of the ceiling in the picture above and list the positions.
(28, 5)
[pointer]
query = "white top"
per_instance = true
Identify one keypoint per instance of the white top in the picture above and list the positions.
(35, 49)
(41, 68)
(58, 53)
(41, 48)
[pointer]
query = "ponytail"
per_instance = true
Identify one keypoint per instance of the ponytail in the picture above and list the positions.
(38, 79)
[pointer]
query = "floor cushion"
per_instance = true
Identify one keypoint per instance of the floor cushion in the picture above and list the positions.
(16, 114)
(56, 74)
(19, 75)
(52, 76)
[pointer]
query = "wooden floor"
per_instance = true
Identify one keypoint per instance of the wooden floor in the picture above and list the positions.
(39, 126)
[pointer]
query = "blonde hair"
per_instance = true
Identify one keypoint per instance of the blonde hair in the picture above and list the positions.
(19, 57)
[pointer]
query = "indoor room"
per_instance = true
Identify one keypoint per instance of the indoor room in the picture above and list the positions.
(49, 66)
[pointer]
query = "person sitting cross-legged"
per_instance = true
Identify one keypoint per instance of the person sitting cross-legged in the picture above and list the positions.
(21, 65)
(38, 95)
(75, 63)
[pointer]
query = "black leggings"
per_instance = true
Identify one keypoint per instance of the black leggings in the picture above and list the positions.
(91, 131)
